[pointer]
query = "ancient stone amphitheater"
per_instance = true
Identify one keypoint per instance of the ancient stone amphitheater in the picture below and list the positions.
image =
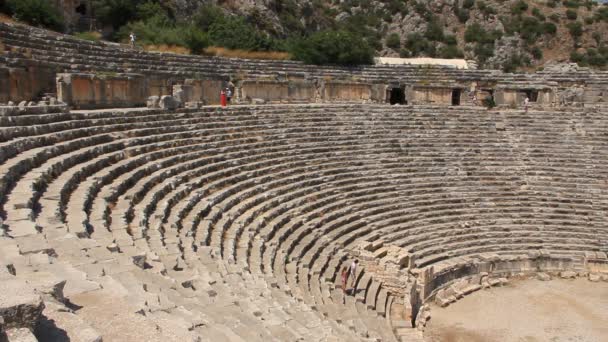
(204, 223)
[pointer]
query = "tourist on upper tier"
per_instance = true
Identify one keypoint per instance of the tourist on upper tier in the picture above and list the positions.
(526, 103)
(228, 94)
(132, 39)
(344, 277)
(353, 272)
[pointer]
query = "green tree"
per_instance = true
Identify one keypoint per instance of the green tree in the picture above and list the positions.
(570, 14)
(333, 47)
(576, 29)
(36, 13)
(393, 41)
(116, 13)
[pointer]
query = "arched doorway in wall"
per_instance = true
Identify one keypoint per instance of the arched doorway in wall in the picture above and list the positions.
(456, 93)
(396, 95)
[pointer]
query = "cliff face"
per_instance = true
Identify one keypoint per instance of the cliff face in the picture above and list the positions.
(496, 33)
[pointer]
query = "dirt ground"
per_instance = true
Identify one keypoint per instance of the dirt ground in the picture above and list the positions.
(525, 311)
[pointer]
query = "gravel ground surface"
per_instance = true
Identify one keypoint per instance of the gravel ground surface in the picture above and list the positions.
(526, 311)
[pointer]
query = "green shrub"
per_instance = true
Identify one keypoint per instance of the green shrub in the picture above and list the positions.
(115, 13)
(333, 47)
(519, 7)
(572, 15)
(536, 52)
(595, 58)
(434, 30)
(576, 29)
(468, 4)
(552, 3)
(462, 14)
(549, 28)
(572, 3)
(578, 58)
(450, 51)
(450, 40)
(536, 12)
(36, 13)
(597, 37)
(589, 20)
(554, 17)
(417, 45)
(393, 41)
(234, 32)
(531, 29)
(207, 15)
(488, 102)
(602, 14)
(476, 33)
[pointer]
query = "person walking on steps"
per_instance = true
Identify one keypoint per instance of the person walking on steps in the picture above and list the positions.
(132, 40)
(526, 103)
(344, 278)
(353, 273)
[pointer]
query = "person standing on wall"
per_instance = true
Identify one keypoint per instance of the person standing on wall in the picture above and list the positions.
(228, 94)
(132, 39)
(526, 103)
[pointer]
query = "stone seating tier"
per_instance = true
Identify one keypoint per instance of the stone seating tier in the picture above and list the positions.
(177, 215)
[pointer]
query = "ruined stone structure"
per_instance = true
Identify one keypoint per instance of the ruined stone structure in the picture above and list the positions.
(232, 224)
(33, 58)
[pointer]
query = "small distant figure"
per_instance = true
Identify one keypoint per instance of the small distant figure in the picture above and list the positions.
(526, 103)
(223, 98)
(353, 272)
(344, 278)
(132, 38)
(474, 100)
(228, 94)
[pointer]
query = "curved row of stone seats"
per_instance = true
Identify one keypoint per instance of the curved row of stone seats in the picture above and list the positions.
(231, 180)
(70, 54)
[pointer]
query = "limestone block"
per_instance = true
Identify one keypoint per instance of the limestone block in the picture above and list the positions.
(153, 102)
(139, 260)
(543, 277)
(594, 277)
(568, 274)
(62, 325)
(168, 102)
(20, 305)
(20, 335)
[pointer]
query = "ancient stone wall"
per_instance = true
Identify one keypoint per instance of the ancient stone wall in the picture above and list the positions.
(429, 95)
(102, 91)
(277, 91)
(4, 85)
(347, 91)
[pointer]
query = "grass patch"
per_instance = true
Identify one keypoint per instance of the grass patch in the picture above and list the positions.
(1, 48)
(230, 53)
(6, 19)
(91, 36)
(167, 48)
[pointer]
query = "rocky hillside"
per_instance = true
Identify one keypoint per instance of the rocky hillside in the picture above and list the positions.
(507, 34)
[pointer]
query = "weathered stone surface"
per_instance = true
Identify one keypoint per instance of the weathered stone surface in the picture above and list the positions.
(20, 305)
(153, 102)
(20, 335)
(168, 102)
(543, 276)
(568, 274)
